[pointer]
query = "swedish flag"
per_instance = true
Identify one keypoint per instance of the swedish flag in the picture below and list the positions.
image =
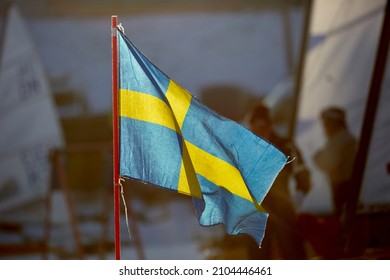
(168, 138)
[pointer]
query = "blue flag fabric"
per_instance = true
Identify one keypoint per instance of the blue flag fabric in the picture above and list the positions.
(169, 139)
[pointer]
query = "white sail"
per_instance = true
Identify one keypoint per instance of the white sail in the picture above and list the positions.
(29, 126)
(338, 71)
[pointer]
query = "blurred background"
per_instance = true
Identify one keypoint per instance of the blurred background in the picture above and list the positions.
(297, 58)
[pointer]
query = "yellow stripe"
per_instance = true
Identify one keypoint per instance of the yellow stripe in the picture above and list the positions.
(218, 171)
(188, 182)
(179, 100)
(145, 107)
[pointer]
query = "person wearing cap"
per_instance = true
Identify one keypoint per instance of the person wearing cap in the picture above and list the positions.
(336, 158)
(282, 226)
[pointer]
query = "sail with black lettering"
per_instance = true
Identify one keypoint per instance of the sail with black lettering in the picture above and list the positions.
(28, 121)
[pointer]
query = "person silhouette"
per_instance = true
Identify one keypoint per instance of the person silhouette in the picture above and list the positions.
(326, 234)
(337, 157)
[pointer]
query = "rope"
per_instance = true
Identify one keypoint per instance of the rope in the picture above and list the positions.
(124, 204)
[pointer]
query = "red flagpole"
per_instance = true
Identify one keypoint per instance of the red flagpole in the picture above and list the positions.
(115, 136)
